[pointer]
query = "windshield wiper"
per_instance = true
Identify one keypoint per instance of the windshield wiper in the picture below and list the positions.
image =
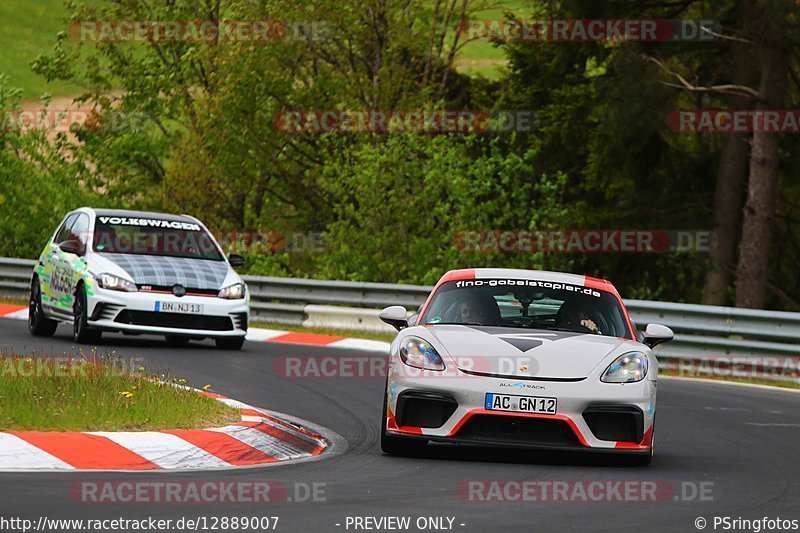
(557, 328)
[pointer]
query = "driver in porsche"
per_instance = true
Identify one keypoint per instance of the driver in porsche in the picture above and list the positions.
(574, 314)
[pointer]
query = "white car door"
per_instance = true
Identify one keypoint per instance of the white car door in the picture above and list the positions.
(52, 280)
(69, 264)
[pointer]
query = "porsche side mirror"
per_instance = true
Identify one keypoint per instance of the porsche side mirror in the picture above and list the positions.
(413, 319)
(655, 334)
(236, 260)
(395, 316)
(71, 247)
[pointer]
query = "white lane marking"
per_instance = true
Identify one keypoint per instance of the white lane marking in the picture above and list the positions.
(22, 314)
(770, 388)
(268, 444)
(360, 344)
(164, 449)
(258, 334)
(743, 409)
(16, 453)
(236, 404)
(251, 418)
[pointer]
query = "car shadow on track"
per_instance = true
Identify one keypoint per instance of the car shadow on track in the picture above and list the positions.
(519, 456)
(143, 341)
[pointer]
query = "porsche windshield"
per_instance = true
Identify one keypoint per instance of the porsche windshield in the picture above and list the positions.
(154, 237)
(528, 304)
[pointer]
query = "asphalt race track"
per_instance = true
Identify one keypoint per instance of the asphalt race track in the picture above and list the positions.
(740, 444)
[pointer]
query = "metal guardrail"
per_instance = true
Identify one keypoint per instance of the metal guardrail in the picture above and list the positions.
(15, 274)
(701, 332)
(283, 300)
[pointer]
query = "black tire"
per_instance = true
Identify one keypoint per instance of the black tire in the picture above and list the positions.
(81, 332)
(398, 445)
(229, 343)
(38, 324)
(177, 341)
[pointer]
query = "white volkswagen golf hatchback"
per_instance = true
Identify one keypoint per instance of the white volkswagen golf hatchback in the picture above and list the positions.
(138, 272)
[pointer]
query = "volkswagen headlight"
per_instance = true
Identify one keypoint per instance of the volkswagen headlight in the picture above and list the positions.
(233, 292)
(115, 283)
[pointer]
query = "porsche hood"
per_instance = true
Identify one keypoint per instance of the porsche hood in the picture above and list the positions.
(520, 353)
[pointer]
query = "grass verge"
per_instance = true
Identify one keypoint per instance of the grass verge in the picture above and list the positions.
(99, 394)
(481, 56)
(30, 28)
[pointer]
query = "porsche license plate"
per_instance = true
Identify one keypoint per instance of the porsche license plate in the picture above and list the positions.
(521, 404)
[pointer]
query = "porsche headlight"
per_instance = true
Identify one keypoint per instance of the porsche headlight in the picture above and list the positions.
(115, 283)
(233, 292)
(419, 354)
(627, 368)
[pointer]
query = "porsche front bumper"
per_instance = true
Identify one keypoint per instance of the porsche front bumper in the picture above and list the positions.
(591, 415)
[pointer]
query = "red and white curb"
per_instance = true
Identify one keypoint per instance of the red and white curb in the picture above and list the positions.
(19, 312)
(261, 439)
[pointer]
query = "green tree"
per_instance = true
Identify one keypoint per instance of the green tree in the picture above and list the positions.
(39, 182)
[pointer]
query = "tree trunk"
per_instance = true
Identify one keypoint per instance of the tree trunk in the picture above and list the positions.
(729, 192)
(752, 272)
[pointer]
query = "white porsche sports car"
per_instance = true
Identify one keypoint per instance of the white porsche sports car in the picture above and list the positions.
(501, 357)
(136, 272)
